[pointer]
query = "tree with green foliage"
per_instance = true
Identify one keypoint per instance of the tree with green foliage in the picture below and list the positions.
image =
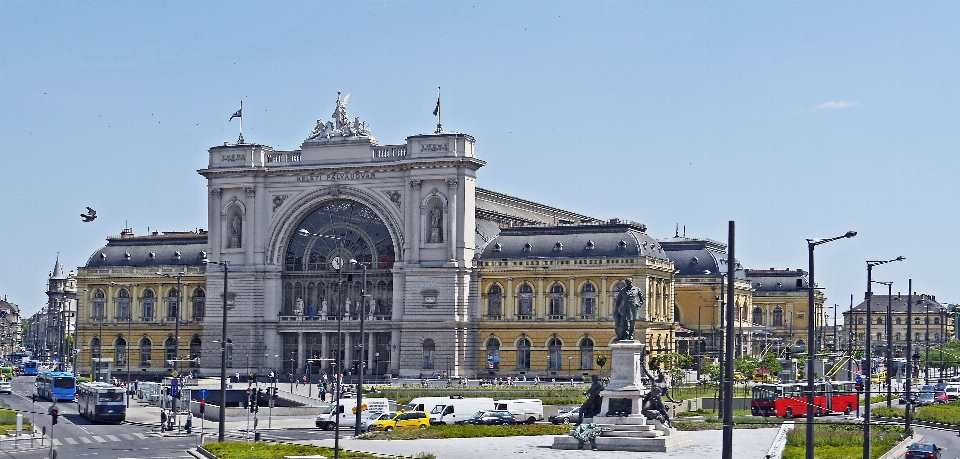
(601, 361)
(712, 369)
(770, 363)
(745, 365)
(672, 363)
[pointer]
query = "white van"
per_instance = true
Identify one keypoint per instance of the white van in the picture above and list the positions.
(345, 414)
(456, 408)
(528, 410)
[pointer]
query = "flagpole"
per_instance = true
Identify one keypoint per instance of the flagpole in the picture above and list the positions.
(240, 140)
(439, 124)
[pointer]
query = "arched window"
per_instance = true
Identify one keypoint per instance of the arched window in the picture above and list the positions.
(916, 321)
(145, 352)
(860, 321)
(199, 303)
(99, 302)
(95, 345)
(879, 321)
(173, 303)
(195, 346)
(936, 320)
(523, 354)
(493, 354)
(778, 317)
(555, 354)
(757, 315)
(494, 302)
(556, 301)
(586, 354)
(525, 301)
(148, 303)
(170, 349)
(123, 304)
(120, 352)
(898, 321)
(588, 299)
(429, 347)
(896, 336)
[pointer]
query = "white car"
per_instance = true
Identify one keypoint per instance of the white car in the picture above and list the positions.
(6, 387)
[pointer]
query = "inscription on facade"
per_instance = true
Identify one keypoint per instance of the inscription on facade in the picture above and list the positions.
(335, 177)
(233, 157)
(434, 147)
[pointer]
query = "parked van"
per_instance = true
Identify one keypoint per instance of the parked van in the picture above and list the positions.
(345, 414)
(528, 410)
(455, 408)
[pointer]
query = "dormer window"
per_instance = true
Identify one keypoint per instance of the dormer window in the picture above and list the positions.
(176, 255)
(153, 255)
(126, 256)
(622, 245)
(694, 261)
(591, 245)
(527, 247)
(558, 246)
(497, 247)
(103, 256)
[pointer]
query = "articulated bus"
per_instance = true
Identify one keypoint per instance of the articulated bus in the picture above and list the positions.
(30, 367)
(101, 402)
(57, 384)
(789, 400)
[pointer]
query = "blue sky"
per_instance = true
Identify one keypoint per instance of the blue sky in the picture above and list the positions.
(795, 119)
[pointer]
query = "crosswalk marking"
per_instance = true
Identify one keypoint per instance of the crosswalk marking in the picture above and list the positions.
(99, 439)
(85, 440)
(113, 438)
(71, 440)
(57, 442)
(126, 437)
(140, 435)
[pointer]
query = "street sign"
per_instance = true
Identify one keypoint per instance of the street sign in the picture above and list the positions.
(204, 393)
(175, 374)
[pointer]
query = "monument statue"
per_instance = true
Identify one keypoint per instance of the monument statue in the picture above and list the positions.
(341, 127)
(664, 387)
(236, 230)
(340, 113)
(626, 310)
(436, 225)
(654, 408)
(591, 407)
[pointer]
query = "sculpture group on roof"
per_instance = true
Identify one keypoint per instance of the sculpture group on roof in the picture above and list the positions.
(341, 126)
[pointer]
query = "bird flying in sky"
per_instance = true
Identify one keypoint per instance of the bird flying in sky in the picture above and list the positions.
(90, 216)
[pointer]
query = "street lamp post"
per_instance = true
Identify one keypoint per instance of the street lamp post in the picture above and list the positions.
(909, 411)
(926, 340)
(363, 309)
(223, 352)
(176, 332)
(129, 338)
(889, 330)
(869, 359)
(811, 335)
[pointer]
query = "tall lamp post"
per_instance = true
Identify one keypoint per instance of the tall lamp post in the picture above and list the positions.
(869, 359)
(909, 411)
(363, 310)
(176, 332)
(811, 335)
(889, 333)
(129, 342)
(223, 352)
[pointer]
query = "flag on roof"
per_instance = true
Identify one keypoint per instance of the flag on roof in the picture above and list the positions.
(237, 114)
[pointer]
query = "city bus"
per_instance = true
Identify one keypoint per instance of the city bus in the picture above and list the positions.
(790, 400)
(30, 367)
(101, 402)
(57, 384)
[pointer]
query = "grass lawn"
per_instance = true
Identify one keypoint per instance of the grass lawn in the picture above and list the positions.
(841, 441)
(261, 450)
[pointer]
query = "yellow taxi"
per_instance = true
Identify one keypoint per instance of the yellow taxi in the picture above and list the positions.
(404, 420)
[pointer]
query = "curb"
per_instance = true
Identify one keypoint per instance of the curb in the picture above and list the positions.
(898, 450)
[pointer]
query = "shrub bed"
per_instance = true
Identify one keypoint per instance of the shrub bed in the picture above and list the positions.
(842, 441)
(262, 450)
(469, 431)
(8, 421)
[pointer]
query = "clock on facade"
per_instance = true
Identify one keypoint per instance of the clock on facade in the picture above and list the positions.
(336, 262)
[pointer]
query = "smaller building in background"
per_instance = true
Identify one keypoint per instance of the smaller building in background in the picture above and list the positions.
(11, 336)
(781, 304)
(932, 323)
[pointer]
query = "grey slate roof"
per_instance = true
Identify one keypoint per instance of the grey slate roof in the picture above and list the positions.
(157, 249)
(778, 280)
(573, 241)
(57, 272)
(698, 257)
(898, 304)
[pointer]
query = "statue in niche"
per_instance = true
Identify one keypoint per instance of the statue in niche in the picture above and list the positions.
(299, 310)
(436, 225)
(236, 230)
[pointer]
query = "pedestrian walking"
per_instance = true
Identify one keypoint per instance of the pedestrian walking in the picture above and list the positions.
(322, 393)
(163, 421)
(189, 424)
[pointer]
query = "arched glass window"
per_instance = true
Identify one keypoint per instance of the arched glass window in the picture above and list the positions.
(99, 303)
(588, 299)
(936, 320)
(494, 302)
(493, 354)
(879, 321)
(195, 346)
(148, 303)
(199, 303)
(860, 321)
(556, 300)
(777, 317)
(898, 321)
(586, 354)
(429, 347)
(757, 315)
(123, 304)
(523, 354)
(145, 349)
(120, 352)
(95, 345)
(170, 349)
(525, 301)
(554, 354)
(173, 303)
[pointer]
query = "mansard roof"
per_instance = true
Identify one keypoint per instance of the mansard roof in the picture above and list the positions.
(584, 240)
(156, 249)
(898, 304)
(778, 280)
(699, 257)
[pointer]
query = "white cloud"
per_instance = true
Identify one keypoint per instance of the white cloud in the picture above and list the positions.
(836, 105)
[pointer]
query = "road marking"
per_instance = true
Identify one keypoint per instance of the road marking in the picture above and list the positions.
(57, 442)
(99, 439)
(126, 437)
(113, 438)
(71, 440)
(140, 435)
(85, 440)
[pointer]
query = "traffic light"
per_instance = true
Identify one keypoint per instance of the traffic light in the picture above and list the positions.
(54, 414)
(203, 404)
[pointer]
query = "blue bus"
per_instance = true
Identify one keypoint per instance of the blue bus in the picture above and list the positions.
(57, 384)
(30, 367)
(101, 402)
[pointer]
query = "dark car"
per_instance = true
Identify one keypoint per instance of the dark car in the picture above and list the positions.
(923, 450)
(926, 398)
(493, 417)
(903, 398)
(566, 416)
(940, 386)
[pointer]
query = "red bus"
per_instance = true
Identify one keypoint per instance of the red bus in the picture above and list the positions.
(790, 400)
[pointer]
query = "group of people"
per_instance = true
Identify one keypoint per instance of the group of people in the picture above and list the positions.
(168, 421)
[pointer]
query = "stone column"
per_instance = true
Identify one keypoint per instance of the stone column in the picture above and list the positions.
(416, 218)
(453, 232)
(301, 353)
(395, 350)
(325, 350)
(347, 351)
(509, 305)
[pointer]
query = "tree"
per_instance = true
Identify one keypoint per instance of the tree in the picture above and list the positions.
(672, 363)
(601, 361)
(746, 364)
(771, 363)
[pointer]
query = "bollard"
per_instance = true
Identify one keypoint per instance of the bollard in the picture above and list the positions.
(256, 436)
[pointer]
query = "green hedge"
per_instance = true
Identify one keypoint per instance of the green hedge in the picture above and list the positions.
(469, 431)
(842, 441)
(261, 450)
(550, 394)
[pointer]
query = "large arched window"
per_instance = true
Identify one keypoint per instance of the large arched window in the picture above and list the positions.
(123, 304)
(145, 350)
(120, 351)
(148, 304)
(99, 303)
(429, 348)
(525, 301)
(586, 354)
(777, 317)
(554, 354)
(173, 303)
(757, 315)
(170, 351)
(493, 354)
(199, 304)
(494, 302)
(195, 346)
(588, 299)
(898, 321)
(523, 354)
(556, 301)
(879, 321)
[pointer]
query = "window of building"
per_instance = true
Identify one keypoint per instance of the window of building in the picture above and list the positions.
(123, 304)
(860, 320)
(777, 317)
(173, 303)
(493, 354)
(169, 346)
(195, 345)
(556, 301)
(879, 336)
(148, 303)
(523, 354)
(936, 320)
(757, 315)
(588, 299)
(879, 321)
(916, 321)
(199, 303)
(916, 337)
(429, 347)
(896, 336)
(586, 354)
(120, 353)
(495, 301)
(525, 301)
(926, 320)
(230, 353)
(898, 321)
(145, 352)
(554, 354)
(99, 303)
